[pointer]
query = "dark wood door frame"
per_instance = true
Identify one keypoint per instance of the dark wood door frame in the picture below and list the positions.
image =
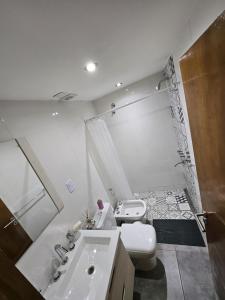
(13, 243)
(13, 240)
(203, 75)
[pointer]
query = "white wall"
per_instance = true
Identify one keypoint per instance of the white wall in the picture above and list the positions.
(206, 11)
(59, 143)
(144, 136)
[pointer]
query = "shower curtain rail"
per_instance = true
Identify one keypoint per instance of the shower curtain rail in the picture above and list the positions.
(130, 103)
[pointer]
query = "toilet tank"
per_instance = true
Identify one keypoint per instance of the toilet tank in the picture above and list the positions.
(104, 219)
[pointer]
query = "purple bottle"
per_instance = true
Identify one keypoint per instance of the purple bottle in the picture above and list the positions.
(100, 204)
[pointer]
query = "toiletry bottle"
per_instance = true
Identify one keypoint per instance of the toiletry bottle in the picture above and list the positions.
(100, 204)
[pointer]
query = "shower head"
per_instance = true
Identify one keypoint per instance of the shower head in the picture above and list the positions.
(158, 87)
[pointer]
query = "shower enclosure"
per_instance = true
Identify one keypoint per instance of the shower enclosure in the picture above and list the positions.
(137, 151)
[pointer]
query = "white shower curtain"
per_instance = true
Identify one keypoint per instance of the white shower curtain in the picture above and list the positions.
(102, 151)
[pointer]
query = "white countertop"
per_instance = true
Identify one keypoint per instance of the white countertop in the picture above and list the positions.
(96, 249)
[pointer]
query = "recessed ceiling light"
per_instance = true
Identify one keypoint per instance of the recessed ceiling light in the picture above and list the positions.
(91, 67)
(118, 84)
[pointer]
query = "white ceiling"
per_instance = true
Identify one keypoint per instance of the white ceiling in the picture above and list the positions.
(44, 44)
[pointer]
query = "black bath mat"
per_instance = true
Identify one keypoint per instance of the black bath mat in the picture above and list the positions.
(180, 232)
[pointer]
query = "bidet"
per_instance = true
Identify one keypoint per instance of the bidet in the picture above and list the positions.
(130, 210)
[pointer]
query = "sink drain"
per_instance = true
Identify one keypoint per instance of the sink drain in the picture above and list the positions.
(91, 270)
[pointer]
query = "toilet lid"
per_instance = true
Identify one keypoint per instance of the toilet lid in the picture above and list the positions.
(138, 237)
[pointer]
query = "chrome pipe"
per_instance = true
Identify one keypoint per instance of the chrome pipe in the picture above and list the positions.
(128, 104)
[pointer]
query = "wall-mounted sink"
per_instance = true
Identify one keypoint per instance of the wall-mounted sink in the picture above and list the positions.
(132, 210)
(88, 272)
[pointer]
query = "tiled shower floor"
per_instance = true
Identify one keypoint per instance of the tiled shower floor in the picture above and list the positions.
(171, 204)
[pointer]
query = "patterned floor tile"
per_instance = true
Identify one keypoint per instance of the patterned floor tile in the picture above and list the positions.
(172, 207)
(168, 204)
(160, 208)
(160, 200)
(174, 215)
(158, 215)
(169, 193)
(184, 206)
(188, 215)
(171, 200)
(151, 201)
(160, 194)
(181, 198)
(151, 194)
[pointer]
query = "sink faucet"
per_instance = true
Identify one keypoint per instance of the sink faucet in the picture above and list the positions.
(55, 272)
(71, 239)
(61, 251)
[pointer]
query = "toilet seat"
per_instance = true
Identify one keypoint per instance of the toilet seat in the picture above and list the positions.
(138, 237)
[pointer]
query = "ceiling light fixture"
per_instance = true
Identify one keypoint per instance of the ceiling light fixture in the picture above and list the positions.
(91, 67)
(118, 84)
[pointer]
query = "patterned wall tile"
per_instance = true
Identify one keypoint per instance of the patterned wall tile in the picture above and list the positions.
(181, 134)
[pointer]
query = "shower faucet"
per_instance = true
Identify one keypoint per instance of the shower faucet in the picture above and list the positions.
(183, 162)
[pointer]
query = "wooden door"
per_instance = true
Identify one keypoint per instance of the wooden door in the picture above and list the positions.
(13, 240)
(203, 75)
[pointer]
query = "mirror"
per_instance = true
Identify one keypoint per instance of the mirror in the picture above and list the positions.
(28, 201)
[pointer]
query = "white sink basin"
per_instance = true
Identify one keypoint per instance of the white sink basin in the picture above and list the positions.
(89, 269)
(130, 210)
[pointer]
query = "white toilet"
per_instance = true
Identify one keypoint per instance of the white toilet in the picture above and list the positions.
(139, 239)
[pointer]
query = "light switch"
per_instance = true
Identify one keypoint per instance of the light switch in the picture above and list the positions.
(70, 185)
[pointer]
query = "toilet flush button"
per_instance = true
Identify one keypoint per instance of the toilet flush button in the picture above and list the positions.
(70, 185)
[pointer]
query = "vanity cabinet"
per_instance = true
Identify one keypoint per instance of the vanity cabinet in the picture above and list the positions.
(122, 280)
